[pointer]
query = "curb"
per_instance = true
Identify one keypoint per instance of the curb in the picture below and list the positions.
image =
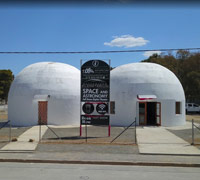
(102, 162)
(168, 154)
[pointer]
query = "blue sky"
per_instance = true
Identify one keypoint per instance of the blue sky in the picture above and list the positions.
(90, 28)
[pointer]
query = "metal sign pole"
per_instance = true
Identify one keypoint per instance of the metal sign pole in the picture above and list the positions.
(109, 130)
(135, 132)
(86, 133)
(109, 127)
(10, 132)
(80, 130)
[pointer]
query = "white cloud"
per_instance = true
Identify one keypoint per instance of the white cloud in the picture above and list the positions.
(126, 41)
(150, 53)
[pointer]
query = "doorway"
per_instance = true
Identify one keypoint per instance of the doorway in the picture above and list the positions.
(149, 113)
(42, 112)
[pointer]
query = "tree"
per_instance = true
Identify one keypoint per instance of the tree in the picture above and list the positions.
(182, 54)
(6, 78)
(193, 90)
(186, 66)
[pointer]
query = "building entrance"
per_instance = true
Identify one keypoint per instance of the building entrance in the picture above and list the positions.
(149, 113)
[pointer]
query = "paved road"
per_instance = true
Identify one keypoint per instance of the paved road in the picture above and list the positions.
(23, 171)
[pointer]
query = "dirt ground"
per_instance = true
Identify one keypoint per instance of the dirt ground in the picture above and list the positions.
(3, 113)
(196, 117)
(3, 116)
(95, 135)
(186, 134)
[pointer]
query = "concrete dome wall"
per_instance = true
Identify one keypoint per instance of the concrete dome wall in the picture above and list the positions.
(130, 80)
(59, 80)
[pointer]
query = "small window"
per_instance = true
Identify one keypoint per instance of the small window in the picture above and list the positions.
(190, 105)
(195, 105)
(178, 107)
(112, 107)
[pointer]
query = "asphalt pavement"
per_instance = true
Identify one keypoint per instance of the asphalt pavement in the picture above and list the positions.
(18, 171)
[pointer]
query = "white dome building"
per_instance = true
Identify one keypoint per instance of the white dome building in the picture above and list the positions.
(148, 92)
(48, 92)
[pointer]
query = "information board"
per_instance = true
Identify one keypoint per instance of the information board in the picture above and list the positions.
(95, 92)
(95, 81)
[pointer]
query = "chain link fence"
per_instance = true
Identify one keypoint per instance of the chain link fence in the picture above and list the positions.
(195, 133)
(5, 126)
(90, 134)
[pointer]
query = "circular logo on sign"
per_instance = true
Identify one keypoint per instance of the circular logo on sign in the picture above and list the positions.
(95, 63)
(102, 108)
(88, 108)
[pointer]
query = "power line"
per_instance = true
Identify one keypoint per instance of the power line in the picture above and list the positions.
(90, 52)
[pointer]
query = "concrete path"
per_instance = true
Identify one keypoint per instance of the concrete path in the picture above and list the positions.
(22, 143)
(157, 140)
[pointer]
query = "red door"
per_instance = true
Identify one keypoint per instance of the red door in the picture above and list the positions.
(42, 112)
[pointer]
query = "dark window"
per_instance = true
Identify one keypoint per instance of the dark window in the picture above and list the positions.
(190, 105)
(178, 107)
(142, 108)
(195, 105)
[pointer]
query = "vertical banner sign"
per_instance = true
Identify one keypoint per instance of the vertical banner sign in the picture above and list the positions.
(95, 92)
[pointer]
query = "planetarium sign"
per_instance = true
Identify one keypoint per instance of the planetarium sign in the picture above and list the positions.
(95, 92)
(95, 81)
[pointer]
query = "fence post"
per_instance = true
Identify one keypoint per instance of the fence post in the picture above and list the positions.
(9, 131)
(135, 132)
(40, 129)
(192, 132)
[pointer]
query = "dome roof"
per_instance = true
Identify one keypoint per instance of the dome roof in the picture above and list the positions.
(144, 73)
(147, 78)
(60, 81)
(47, 76)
